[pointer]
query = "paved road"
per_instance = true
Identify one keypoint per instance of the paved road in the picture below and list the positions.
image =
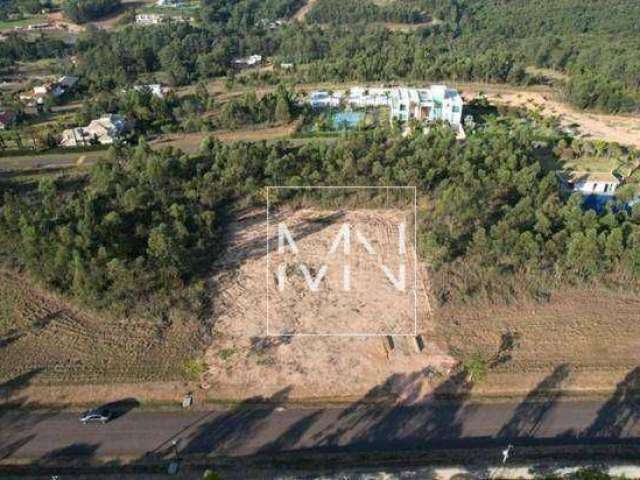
(361, 427)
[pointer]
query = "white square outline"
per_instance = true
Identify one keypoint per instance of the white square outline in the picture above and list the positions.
(415, 260)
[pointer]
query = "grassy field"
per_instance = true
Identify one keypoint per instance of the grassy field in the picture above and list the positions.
(66, 344)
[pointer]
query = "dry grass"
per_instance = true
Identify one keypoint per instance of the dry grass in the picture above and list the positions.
(596, 333)
(190, 142)
(621, 129)
(66, 344)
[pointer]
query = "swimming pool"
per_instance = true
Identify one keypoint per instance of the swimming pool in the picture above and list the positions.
(340, 120)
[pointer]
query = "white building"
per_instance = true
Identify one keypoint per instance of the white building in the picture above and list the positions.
(370, 97)
(104, 130)
(169, 3)
(149, 18)
(427, 104)
(588, 183)
(248, 61)
(323, 99)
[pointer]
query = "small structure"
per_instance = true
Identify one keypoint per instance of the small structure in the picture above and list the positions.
(588, 183)
(249, 61)
(6, 119)
(169, 3)
(67, 82)
(369, 97)
(104, 130)
(156, 89)
(149, 19)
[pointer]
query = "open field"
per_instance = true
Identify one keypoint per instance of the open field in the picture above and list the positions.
(590, 334)
(622, 129)
(593, 334)
(242, 362)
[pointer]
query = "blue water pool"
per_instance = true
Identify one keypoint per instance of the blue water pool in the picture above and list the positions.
(341, 120)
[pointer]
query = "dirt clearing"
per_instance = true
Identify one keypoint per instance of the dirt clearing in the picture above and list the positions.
(622, 129)
(243, 362)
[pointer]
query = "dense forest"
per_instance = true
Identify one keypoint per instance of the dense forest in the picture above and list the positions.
(595, 43)
(143, 224)
(357, 11)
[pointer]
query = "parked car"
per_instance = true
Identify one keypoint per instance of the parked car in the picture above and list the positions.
(101, 415)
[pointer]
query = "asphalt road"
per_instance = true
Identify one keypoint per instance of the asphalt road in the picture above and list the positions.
(250, 429)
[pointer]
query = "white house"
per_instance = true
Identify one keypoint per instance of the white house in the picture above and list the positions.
(427, 104)
(169, 3)
(149, 18)
(369, 97)
(248, 61)
(588, 183)
(104, 130)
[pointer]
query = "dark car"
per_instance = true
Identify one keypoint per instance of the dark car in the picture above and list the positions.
(102, 415)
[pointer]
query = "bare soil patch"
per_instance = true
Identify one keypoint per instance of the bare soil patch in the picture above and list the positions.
(300, 14)
(190, 142)
(623, 129)
(243, 362)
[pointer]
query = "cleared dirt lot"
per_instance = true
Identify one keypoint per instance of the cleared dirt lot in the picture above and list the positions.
(592, 336)
(242, 361)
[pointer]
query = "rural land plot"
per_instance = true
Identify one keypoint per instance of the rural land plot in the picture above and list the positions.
(242, 361)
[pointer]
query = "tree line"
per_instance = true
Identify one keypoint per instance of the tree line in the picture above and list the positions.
(496, 225)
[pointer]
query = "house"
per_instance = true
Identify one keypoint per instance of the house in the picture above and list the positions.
(156, 89)
(369, 97)
(149, 19)
(437, 103)
(104, 130)
(323, 99)
(67, 82)
(248, 61)
(6, 119)
(42, 90)
(589, 183)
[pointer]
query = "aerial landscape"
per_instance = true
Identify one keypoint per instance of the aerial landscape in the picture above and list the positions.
(319, 239)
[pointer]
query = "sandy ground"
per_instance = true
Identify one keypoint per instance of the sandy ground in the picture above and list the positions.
(242, 361)
(623, 129)
(190, 142)
(300, 14)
